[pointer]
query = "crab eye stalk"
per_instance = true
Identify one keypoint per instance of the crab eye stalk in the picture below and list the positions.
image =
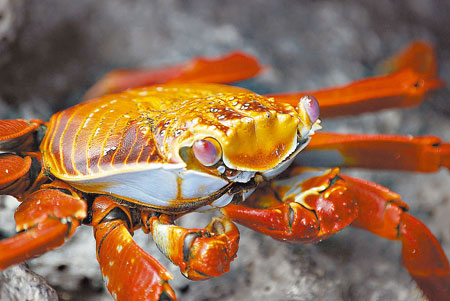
(308, 109)
(207, 151)
(311, 106)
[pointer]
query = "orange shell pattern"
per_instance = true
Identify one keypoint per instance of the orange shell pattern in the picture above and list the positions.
(148, 125)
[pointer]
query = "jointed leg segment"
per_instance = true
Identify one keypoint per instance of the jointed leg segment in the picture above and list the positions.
(414, 74)
(128, 271)
(19, 135)
(383, 213)
(200, 253)
(308, 206)
(230, 67)
(392, 152)
(44, 220)
(312, 205)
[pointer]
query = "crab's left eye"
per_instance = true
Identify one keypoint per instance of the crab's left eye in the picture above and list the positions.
(207, 151)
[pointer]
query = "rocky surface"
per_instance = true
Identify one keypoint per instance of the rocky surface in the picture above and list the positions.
(56, 49)
(20, 283)
(12, 13)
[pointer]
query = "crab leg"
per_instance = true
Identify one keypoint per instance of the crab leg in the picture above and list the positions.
(420, 154)
(414, 73)
(44, 219)
(231, 67)
(312, 204)
(200, 253)
(382, 212)
(128, 271)
(19, 135)
(20, 174)
(308, 206)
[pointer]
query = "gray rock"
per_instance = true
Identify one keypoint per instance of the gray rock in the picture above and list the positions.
(12, 14)
(20, 283)
(64, 46)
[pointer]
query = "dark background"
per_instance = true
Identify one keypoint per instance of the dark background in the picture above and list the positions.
(51, 51)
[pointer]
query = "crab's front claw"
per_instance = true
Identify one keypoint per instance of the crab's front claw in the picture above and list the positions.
(200, 253)
(210, 253)
(308, 206)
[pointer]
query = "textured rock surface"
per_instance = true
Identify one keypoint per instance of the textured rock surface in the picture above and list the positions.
(64, 46)
(12, 13)
(20, 283)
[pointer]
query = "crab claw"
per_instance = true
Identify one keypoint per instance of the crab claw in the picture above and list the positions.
(200, 253)
(128, 271)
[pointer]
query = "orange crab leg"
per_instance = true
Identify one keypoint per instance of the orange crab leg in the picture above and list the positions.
(128, 271)
(312, 204)
(420, 154)
(418, 56)
(382, 212)
(19, 135)
(200, 253)
(308, 206)
(404, 88)
(47, 217)
(414, 74)
(231, 67)
(46, 236)
(20, 175)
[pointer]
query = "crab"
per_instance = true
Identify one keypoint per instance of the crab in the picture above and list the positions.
(150, 146)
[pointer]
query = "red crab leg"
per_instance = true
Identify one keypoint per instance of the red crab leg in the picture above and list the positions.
(311, 205)
(382, 212)
(128, 271)
(414, 74)
(231, 67)
(20, 175)
(420, 154)
(18, 135)
(200, 253)
(47, 217)
(308, 206)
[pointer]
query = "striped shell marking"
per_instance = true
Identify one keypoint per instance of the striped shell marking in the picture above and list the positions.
(128, 144)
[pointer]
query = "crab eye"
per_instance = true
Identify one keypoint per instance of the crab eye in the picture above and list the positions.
(207, 151)
(311, 106)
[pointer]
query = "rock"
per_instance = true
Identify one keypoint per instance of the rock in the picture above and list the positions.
(11, 19)
(20, 283)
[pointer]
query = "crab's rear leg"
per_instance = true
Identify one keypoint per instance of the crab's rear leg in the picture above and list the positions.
(44, 220)
(377, 151)
(383, 213)
(413, 74)
(200, 253)
(128, 271)
(230, 67)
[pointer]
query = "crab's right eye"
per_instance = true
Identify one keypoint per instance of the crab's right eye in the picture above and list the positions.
(311, 106)
(207, 151)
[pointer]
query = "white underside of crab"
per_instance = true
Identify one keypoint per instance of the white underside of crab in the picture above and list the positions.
(158, 185)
